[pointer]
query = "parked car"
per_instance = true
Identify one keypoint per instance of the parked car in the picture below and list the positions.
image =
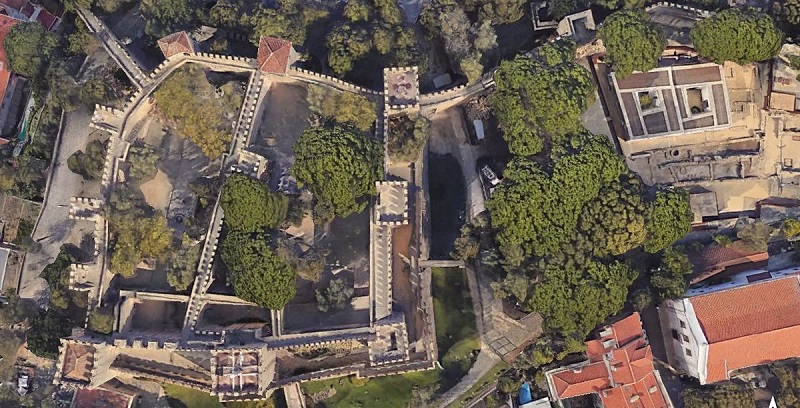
(489, 175)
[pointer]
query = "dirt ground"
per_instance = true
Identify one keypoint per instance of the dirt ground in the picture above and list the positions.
(155, 316)
(12, 211)
(157, 191)
(285, 117)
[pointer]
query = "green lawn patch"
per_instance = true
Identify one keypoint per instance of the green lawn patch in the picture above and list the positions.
(394, 391)
(182, 397)
(456, 333)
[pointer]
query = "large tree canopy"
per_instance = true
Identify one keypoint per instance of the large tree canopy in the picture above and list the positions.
(669, 217)
(255, 272)
(537, 211)
(633, 43)
(533, 101)
(28, 47)
(573, 301)
(737, 35)
(615, 219)
(137, 240)
(250, 206)
(339, 166)
(669, 278)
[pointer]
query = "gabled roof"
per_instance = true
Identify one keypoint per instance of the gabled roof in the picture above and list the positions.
(716, 259)
(619, 369)
(750, 325)
(176, 43)
(274, 55)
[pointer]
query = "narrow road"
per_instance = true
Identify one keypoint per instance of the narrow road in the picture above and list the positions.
(54, 225)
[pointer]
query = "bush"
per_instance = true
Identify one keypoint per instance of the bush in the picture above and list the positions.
(790, 228)
(641, 299)
(336, 296)
(89, 165)
(101, 321)
(143, 161)
(756, 235)
(407, 137)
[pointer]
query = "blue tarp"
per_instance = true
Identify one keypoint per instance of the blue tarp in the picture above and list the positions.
(525, 394)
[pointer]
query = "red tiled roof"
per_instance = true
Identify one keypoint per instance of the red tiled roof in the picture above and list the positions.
(273, 55)
(15, 4)
(626, 358)
(46, 19)
(715, 259)
(6, 23)
(750, 325)
(85, 398)
(747, 310)
(175, 43)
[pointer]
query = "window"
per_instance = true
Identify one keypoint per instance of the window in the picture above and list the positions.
(683, 325)
(685, 338)
(688, 352)
(675, 334)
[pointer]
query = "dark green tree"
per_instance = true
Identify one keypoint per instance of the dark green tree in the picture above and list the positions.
(728, 395)
(669, 278)
(737, 35)
(89, 164)
(250, 205)
(46, 332)
(407, 137)
(255, 272)
(633, 43)
(497, 11)
(788, 11)
(335, 296)
(669, 217)
(615, 219)
(347, 44)
(538, 211)
(181, 268)
(142, 159)
(340, 167)
(533, 102)
(788, 375)
(557, 52)
(756, 235)
(101, 320)
(28, 48)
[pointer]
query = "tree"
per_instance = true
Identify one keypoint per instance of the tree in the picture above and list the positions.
(183, 99)
(669, 279)
(89, 164)
(28, 48)
(335, 296)
(533, 101)
(139, 239)
(17, 310)
(557, 52)
(339, 166)
(46, 331)
(498, 11)
(250, 205)
(142, 159)
(737, 35)
(346, 44)
(641, 299)
(94, 91)
(167, 16)
(615, 220)
(357, 10)
(110, 6)
(669, 217)
(309, 265)
(407, 137)
(538, 211)
(81, 41)
(633, 43)
(790, 228)
(788, 375)
(182, 266)
(255, 272)
(788, 11)
(101, 321)
(342, 107)
(756, 235)
(572, 302)
(728, 395)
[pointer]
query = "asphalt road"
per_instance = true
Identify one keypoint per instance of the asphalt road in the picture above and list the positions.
(54, 227)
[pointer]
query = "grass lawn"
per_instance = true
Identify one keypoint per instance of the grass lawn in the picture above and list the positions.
(487, 378)
(181, 397)
(383, 392)
(456, 333)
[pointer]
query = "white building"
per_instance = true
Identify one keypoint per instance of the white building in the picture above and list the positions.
(752, 320)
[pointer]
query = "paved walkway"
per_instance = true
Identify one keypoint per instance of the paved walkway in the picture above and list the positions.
(54, 226)
(115, 49)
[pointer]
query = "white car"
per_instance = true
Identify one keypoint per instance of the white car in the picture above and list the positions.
(490, 176)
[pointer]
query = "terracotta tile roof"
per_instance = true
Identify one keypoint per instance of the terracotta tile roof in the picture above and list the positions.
(78, 362)
(6, 23)
(100, 398)
(750, 325)
(620, 370)
(590, 378)
(748, 310)
(175, 43)
(716, 259)
(273, 55)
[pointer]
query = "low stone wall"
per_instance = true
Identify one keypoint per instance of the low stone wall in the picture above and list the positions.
(701, 12)
(327, 80)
